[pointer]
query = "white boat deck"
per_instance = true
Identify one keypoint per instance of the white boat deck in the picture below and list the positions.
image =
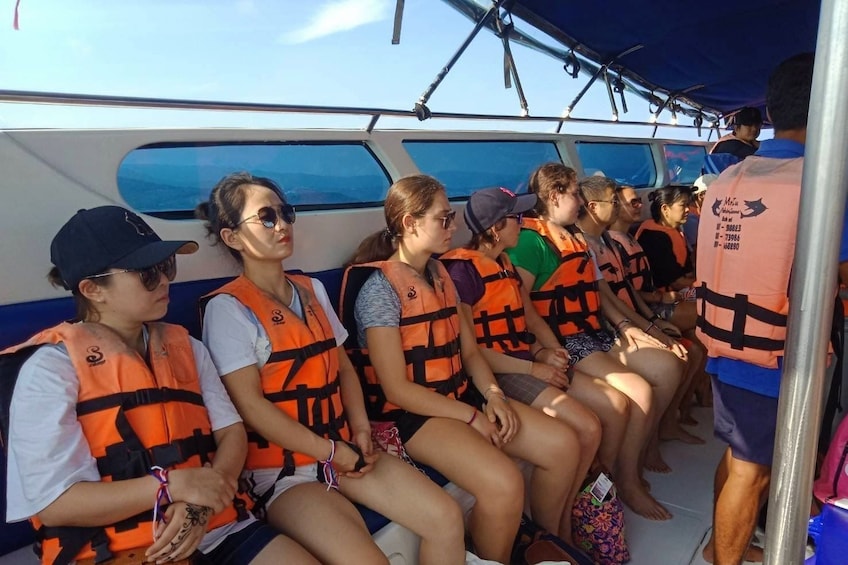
(687, 492)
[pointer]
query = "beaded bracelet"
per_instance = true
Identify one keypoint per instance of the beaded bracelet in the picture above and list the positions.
(331, 477)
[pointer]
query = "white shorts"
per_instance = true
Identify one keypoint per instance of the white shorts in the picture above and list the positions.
(263, 480)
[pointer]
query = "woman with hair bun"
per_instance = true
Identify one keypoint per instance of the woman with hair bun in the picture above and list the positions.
(278, 345)
(663, 240)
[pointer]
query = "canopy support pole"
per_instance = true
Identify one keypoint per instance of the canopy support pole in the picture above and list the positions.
(812, 292)
(509, 64)
(398, 22)
(602, 69)
(421, 109)
(613, 107)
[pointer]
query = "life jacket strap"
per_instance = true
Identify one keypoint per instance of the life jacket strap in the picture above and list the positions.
(742, 310)
(138, 398)
(122, 463)
(441, 314)
(511, 338)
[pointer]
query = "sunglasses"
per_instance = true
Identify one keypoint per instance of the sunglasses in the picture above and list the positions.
(269, 216)
(517, 217)
(615, 202)
(448, 219)
(150, 275)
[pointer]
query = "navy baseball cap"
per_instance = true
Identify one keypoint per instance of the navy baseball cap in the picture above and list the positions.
(489, 205)
(108, 237)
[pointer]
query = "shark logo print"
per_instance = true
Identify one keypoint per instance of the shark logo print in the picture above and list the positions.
(717, 207)
(754, 208)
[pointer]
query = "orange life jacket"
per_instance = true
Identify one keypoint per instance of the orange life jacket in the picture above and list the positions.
(133, 416)
(678, 240)
(569, 301)
(429, 330)
(499, 314)
(611, 266)
(301, 377)
(636, 267)
(747, 234)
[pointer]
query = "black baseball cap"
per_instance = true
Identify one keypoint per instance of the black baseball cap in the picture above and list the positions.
(489, 205)
(108, 237)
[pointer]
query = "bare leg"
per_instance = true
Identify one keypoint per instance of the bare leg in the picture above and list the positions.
(582, 420)
(468, 460)
(663, 370)
(402, 494)
(696, 379)
(626, 472)
(298, 511)
(282, 549)
(553, 449)
(741, 489)
(670, 428)
(612, 408)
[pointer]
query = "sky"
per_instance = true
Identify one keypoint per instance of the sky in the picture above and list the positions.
(313, 52)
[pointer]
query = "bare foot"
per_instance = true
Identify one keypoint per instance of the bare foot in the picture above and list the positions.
(642, 503)
(654, 461)
(753, 555)
(679, 434)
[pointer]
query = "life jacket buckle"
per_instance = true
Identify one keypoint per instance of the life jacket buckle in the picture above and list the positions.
(166, 455)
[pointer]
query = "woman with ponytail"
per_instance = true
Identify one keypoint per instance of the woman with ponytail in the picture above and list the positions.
(426, 374)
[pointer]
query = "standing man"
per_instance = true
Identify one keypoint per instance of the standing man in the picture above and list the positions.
(739, 144)
(746, 244)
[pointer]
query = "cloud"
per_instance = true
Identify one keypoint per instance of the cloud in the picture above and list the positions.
(339, 15)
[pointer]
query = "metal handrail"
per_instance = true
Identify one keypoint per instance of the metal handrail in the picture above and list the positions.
(99, 100)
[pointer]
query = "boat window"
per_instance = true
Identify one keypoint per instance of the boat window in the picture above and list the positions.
(626, 163)
(684, 162)
(169, 180)
(466, 166)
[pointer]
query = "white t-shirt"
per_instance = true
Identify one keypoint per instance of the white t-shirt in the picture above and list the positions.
(48, 452)
(235, 336)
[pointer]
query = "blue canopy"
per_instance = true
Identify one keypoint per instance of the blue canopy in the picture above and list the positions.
(699, 57)
(725, 49)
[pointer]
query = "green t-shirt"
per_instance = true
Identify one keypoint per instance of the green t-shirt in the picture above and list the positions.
(534, 255)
